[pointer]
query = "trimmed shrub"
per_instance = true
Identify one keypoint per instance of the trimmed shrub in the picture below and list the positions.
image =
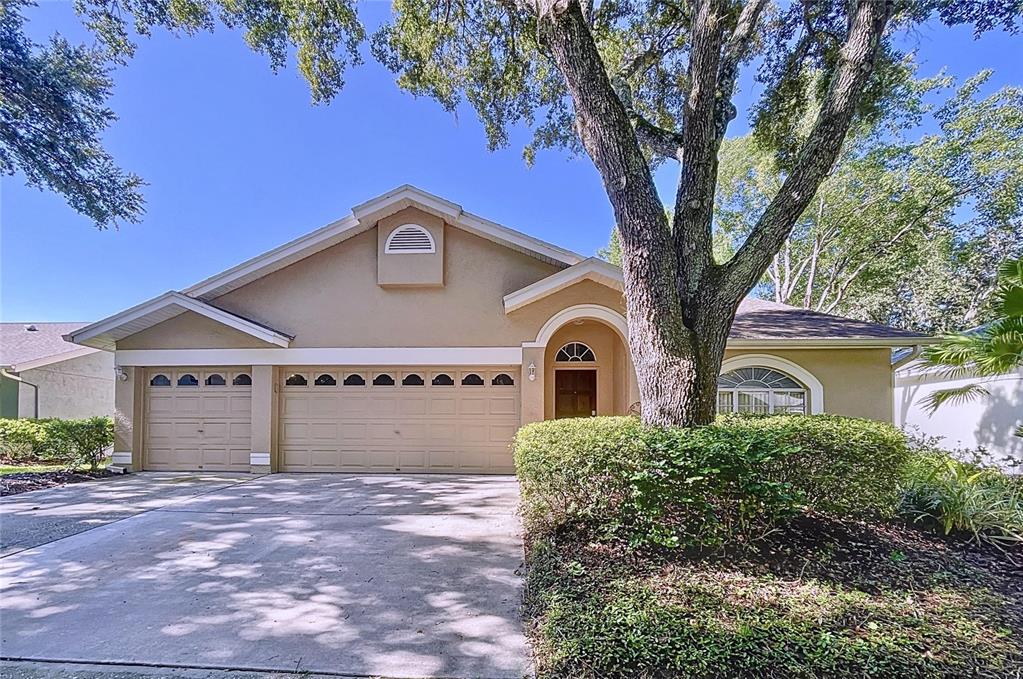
(22, 440)
(843, 465)
(576, 468)
(73, 443)
(962, 497)
(704, 485)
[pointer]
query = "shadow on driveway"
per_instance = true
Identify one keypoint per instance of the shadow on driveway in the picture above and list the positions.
(397, 576)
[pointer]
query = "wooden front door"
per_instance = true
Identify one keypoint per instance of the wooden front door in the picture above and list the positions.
(575, 393)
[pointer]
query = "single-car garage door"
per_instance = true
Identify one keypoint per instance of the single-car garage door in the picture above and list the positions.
(198, 419)
(398, 419)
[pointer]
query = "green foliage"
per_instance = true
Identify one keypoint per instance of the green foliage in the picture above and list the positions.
(961, 497)
(72, 443)
(687, 487)
(22, 440)
(594, 615)
(709, 486)
(905, 231)
(52, 116)
(992, 350)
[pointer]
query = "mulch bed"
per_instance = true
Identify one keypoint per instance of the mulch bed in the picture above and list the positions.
(21, 482)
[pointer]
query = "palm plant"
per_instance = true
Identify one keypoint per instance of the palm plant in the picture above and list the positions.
(991, 350)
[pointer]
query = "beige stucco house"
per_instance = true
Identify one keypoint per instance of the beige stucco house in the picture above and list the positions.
(43, 375)
(412, 335)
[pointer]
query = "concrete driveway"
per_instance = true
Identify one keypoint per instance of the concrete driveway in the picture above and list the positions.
(394, 576)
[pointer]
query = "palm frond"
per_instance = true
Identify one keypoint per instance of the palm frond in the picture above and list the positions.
(963, 394)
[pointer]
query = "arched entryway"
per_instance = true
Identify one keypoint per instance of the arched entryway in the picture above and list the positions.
(582, 360)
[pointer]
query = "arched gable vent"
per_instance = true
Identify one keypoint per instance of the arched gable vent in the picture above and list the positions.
(410, 238)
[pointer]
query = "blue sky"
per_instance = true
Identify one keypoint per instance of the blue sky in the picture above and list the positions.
(238, 161)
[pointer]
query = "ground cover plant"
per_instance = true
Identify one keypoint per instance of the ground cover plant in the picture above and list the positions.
(757, 547)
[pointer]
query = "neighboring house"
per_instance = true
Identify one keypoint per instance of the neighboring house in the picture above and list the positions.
(42, 375)
(985, 422)
(414, 336)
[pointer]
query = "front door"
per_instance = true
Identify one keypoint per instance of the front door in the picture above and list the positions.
(575, 393)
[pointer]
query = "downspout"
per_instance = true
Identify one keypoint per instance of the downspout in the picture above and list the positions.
(35, 391)
(914, 352)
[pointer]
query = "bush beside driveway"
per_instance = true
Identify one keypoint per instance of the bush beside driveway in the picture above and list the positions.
(756, 547)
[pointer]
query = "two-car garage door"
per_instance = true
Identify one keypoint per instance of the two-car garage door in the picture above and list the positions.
(398, 419)
(332, 418)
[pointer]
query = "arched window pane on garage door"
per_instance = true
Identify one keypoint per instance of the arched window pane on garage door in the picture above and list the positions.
(760, 390)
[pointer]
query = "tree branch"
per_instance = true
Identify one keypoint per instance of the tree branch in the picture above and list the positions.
(819, 152)
(736, 49)
(659, 140)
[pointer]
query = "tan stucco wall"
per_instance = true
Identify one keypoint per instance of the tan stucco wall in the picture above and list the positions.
(332, 299)
(76, 388)
(857, 382)
(403, 269)
(191, 331)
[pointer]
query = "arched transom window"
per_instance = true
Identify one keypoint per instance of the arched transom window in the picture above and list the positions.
(575, 352)
(409, 239)
(760, 390)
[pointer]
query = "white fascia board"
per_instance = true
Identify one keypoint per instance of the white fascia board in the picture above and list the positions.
(281, 256)
(593, 269)
(826, 343)
(390, 356)
(506, 236)
(55, 358)
(402, 197)
(184, 303)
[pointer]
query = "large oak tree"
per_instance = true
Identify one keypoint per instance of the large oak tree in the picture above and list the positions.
(633, 83)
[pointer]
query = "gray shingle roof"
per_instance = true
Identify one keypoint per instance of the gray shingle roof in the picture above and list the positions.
(761, 319)
(18, 345)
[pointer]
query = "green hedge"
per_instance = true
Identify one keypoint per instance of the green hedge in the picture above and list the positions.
(73, 443)
(704, 485)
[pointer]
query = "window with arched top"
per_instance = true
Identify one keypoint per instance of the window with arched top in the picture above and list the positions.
(410, 239)
(242, 380)
(575, 352)
(215, 380)
(296, 380)
(383, 380)
(442, 380)
(412, 380)
(760, 390)
(472, 380)
(160, 381)
(355, 380)
(188, 380)
(325, 380)
(502, 380)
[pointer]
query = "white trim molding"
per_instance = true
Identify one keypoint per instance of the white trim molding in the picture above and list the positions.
(809, 380)
(391, 356)
(105, 333)
(77, 352)
(594, 312)
(829, 343)
(590, 269)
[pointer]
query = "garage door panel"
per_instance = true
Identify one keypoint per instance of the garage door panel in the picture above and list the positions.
(443, 406)
(503, 406)
(196, 427)
(440, 428)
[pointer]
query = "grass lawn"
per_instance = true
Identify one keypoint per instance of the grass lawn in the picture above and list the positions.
(6, 469)
(818, 598)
